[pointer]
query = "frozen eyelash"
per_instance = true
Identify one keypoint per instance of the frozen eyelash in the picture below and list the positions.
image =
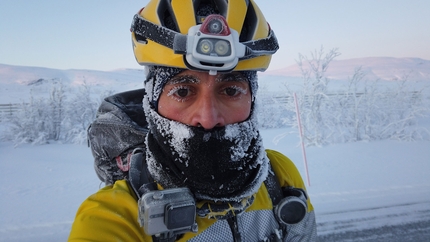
(172, 91)
(242, 90)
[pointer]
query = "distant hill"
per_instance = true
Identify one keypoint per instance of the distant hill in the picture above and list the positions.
(16, 82)
(25, 75)
(384, 68)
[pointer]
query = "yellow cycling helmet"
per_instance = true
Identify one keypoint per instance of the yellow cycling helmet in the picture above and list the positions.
(209, 35)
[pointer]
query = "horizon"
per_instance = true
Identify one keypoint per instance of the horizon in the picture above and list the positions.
(268, 70)
(95, 34)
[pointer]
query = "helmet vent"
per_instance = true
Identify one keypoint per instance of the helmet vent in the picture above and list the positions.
(169, 22)
(204, 9)
(249, 24)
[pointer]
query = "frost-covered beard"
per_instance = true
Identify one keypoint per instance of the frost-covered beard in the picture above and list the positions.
(224, 164)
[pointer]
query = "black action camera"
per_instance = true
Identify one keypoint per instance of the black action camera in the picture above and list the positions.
(168, 211)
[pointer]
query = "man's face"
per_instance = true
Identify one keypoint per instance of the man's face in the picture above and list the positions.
(199, 99)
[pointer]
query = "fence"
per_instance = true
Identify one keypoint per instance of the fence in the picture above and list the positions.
(282, 99)
(9, 109)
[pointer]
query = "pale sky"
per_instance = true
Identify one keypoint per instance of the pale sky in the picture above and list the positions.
(94, 34)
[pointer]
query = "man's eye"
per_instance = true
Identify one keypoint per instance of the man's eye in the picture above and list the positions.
(179, 92)
(230, 91)
(234, 91)
(183, 92)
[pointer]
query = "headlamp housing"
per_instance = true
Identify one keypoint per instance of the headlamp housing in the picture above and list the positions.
(213, 46)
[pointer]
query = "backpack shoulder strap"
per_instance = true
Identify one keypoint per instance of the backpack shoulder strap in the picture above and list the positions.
(273, 187)
(139, 177)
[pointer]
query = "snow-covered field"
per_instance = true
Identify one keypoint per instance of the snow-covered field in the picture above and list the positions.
(353, 186)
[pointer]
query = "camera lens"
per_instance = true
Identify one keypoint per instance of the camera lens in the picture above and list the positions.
(293, 213)
(291, 210)
(179, 216)
(215, 26)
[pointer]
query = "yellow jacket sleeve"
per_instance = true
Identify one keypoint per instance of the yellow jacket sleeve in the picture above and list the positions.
(108, 215)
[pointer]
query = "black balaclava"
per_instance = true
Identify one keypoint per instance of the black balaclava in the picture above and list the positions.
(226, 164)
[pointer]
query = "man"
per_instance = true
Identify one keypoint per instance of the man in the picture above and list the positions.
(200, 171)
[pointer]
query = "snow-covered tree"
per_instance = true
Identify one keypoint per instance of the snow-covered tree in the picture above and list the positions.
(61, 116)
(360, 110)
(57, 108)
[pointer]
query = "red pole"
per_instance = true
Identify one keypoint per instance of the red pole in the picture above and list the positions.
(301, 139)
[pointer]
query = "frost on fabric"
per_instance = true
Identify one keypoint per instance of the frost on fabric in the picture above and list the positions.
(242, 133)
(159, 79)
(176, 131)
(156, 79)
(156, 169)
(253, 186)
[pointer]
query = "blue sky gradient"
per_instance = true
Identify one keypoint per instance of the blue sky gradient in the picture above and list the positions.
(94, 34)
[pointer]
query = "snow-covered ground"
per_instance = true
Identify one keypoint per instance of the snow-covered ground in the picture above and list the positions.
(353, 186)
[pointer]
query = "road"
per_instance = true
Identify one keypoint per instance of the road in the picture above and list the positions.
(418, 231)
(401, 222)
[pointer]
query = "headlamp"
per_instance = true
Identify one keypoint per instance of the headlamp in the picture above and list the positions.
(213, 46)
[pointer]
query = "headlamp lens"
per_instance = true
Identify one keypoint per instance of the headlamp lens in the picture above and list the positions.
(215, 47)
(205, 46)
(222, 48)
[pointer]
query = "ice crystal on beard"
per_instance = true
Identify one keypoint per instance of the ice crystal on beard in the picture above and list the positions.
(233, 131)
(206, 137)
(178, 132)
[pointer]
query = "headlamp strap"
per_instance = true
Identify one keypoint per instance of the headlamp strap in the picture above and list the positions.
(266, 46)
(159, 34)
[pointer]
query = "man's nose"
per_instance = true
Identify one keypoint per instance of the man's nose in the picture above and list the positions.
(207, 113)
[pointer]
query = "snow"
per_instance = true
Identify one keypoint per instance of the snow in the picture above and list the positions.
(352, 185)
(364, 184)
(42, 189)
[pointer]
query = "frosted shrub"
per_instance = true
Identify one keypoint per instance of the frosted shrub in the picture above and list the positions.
(313, 101)
(270, 111)
(81, 112)
(361, 110)
(30, 123)
(40, 120)
(54, 118)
